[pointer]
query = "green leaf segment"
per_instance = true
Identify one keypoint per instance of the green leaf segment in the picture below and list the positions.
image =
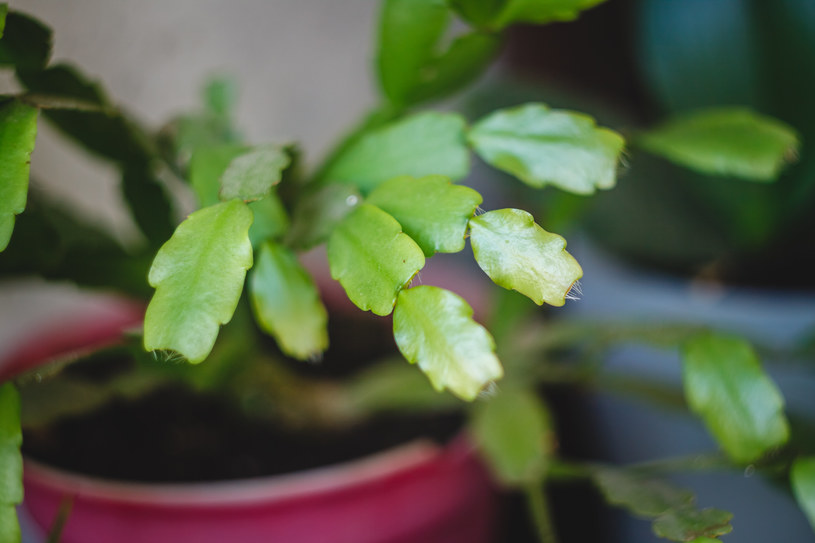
(11, 463)
(802, 478)
(18, 132)
(725, 384)
(251, 176)
(198, 275)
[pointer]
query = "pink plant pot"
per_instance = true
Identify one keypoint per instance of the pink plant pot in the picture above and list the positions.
(419, 492)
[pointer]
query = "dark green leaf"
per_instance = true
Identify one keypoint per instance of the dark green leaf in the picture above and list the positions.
(640, 495)
(541, 11)
(430, 209)
(286, 303)
(541, 146)
(148, 202)
(10, 433)
(408, 33)
(198, 275)
(18, 132)
(26, 43)
(688, 524)
(726, 385)
(271, 220)
(519, 255)
(802, 477)
(478, 12)
(251, 176)
(514, 432)
(207, 164)
(3, 13)
(434, 328)
(372, 258)
(727, 141)
(419, 145)
(317, 213)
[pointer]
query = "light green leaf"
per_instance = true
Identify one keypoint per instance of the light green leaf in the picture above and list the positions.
(18, 132)
(11, 462)
(802, 478)
(725, 385)
(434, 328)
(518, 254)
(251, 176)
(640, 495)
(9, 526)
(479, 12)
(198, 275)
(271, 220)
(408, 33)
(3, 12)
(514, 432)
(689, 523)
(372, 258)
(286, 302)
(207, 164)
(423, 144)
(430, 209)
(542, 11)
(725, 141)
(316, 214)
(541, 146)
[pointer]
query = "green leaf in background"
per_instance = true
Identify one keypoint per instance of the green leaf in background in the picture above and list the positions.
(18, 133)
(641, 495)
(541, 146)
(518, 254)
(408, 33)
(220, 96)
(478, 12)
(251, 176)
(198, 275)
(802, 478)
(434, 328)
(726, 385)
(689, 524)
(3, 13)
(271, 220)
(11, 463)
(317, 213)
(423, 144)
(514, 432)
(541, 11)
(431, 210)
(725, 141)
(207, 164)
(372, 258)
(149, 205)
(25, 43)
(286, 302)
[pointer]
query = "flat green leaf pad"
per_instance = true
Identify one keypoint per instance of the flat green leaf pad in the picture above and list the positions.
(730, 141)
(251, 176)
(434, 328)
(11, 463)
(514, 432)
(207, 164)
(430, 209)
(198, 275)
(689, 524)
(725, 384)
(802, 478)
(519, 255)
(542, 11)
(541, 146)
(423, 144)
(18, 131)
(372, 258)
(640, 495)
(287, 304)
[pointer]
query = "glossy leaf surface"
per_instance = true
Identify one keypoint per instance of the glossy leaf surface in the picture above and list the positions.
(802, 477)
(689, 523)
(640, 495)
(726, 385)
(541, 146)
(408, 33)
(519, 255)
(434, 328)
(18, 132)
(11, 462)
(198, 275)
(731, 141)
(419, 145)
(286, 302)
(431, 210)
(372, 258)
(514, 432)
(252, 175)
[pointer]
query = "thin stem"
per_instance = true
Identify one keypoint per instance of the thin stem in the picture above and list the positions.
(538, 506)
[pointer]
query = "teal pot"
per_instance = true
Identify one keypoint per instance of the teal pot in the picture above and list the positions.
(626, 431)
